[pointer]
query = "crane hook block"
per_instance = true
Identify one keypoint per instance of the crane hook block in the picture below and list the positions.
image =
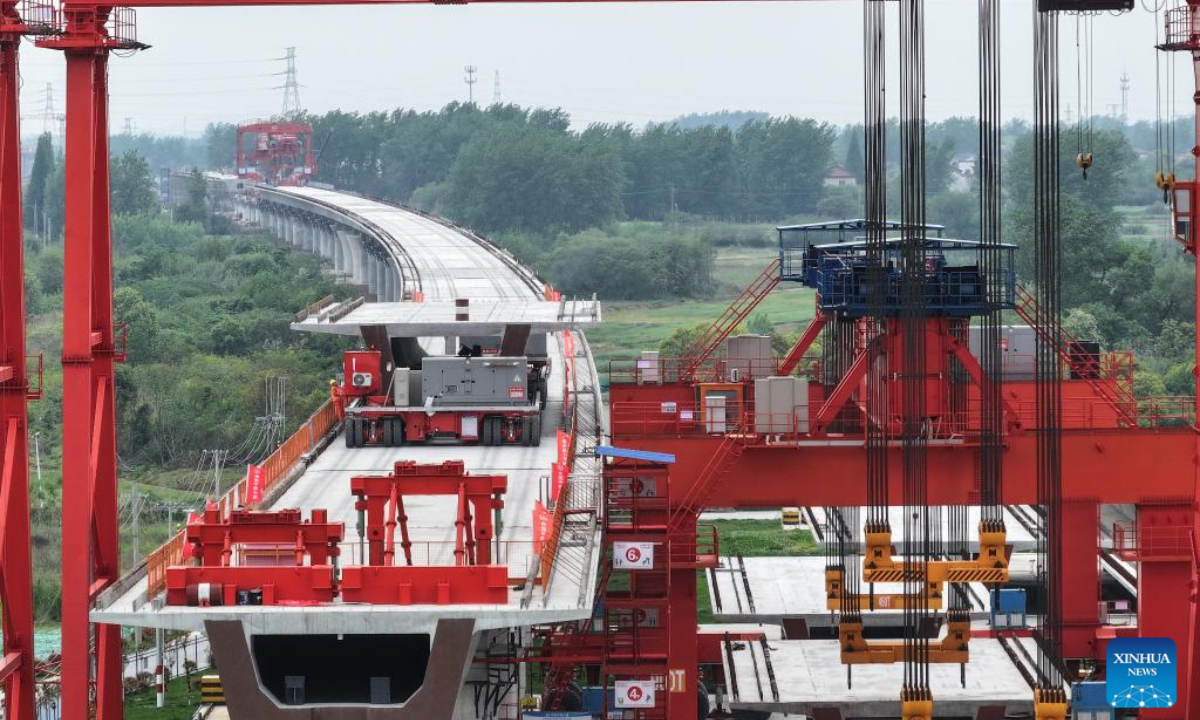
(1084, 161)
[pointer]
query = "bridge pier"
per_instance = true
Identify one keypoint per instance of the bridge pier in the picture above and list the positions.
(326, 242)
(393, 283)
(353, 252)
(364, 263)
(450, 654)
(380, 280)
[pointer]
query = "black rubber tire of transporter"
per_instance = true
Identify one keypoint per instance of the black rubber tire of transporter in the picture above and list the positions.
(385, 427)
(353, 432)
(348, 432)
(537, 430)
(397, 432)
(526, 432)
(486, 435)
(702, 701)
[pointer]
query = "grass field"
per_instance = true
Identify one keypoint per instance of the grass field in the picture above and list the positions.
(180, 703)
(630, 327)
(753, 538)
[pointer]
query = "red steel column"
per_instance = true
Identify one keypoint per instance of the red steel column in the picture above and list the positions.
(1081, 577)
(90, 559)
(78, 473)
(682, 653)
(106, 553)
(1163, 594)
(16, 571)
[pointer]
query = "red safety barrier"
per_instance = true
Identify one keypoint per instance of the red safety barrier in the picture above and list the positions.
(275, 468)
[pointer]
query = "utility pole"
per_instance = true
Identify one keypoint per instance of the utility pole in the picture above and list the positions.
(129, 126)
(496, 97)
(133, 504)
(160, 670)
(291, 87)
(470, 81)
(217, 459)
(37, 451)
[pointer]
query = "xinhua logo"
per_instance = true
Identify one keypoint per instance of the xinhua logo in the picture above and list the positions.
(1141, 673)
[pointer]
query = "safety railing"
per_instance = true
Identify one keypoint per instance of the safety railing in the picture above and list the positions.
(517, 555)
(121, 343)
(847, 288)
(690, 550)
(1154, 543)
(35, 368)
(671, 419)
(663, 371)
(275, 468)
(40, 18)
(738, 310)
(1079, 360)
(577, 506)
(122, 28)
(312, 308)
(1167, 411)
(166, 555)
(674, 419)
(1182, 32)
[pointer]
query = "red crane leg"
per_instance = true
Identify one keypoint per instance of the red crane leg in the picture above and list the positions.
(16, 570)
(107, 552)
(683, 654)
(1164, 596)
(90, 546)
(1081, 578)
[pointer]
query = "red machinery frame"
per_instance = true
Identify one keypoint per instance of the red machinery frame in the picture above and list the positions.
(90, 543)
(472, 579)
(214, 541)
(276, 164)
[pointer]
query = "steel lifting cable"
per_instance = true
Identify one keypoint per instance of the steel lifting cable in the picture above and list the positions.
(913, 312)
(878, 415)
(1162, 180)
(1048, 374)
(991, 459)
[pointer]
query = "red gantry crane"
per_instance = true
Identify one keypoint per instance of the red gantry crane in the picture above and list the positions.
(276, 153)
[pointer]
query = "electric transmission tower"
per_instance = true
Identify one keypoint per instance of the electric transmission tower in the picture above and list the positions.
(1125, 83)
(291, 87)
(52, 120)
(470, 80)
(496, 97)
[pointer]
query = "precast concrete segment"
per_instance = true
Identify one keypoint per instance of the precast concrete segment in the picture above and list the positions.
(816, 678)
(451, 264)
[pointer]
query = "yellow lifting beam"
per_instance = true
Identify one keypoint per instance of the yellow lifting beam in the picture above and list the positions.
(835, 587)
(990, 566)
(953, 648)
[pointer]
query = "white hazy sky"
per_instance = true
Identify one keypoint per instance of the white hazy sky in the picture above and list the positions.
(601, 62)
